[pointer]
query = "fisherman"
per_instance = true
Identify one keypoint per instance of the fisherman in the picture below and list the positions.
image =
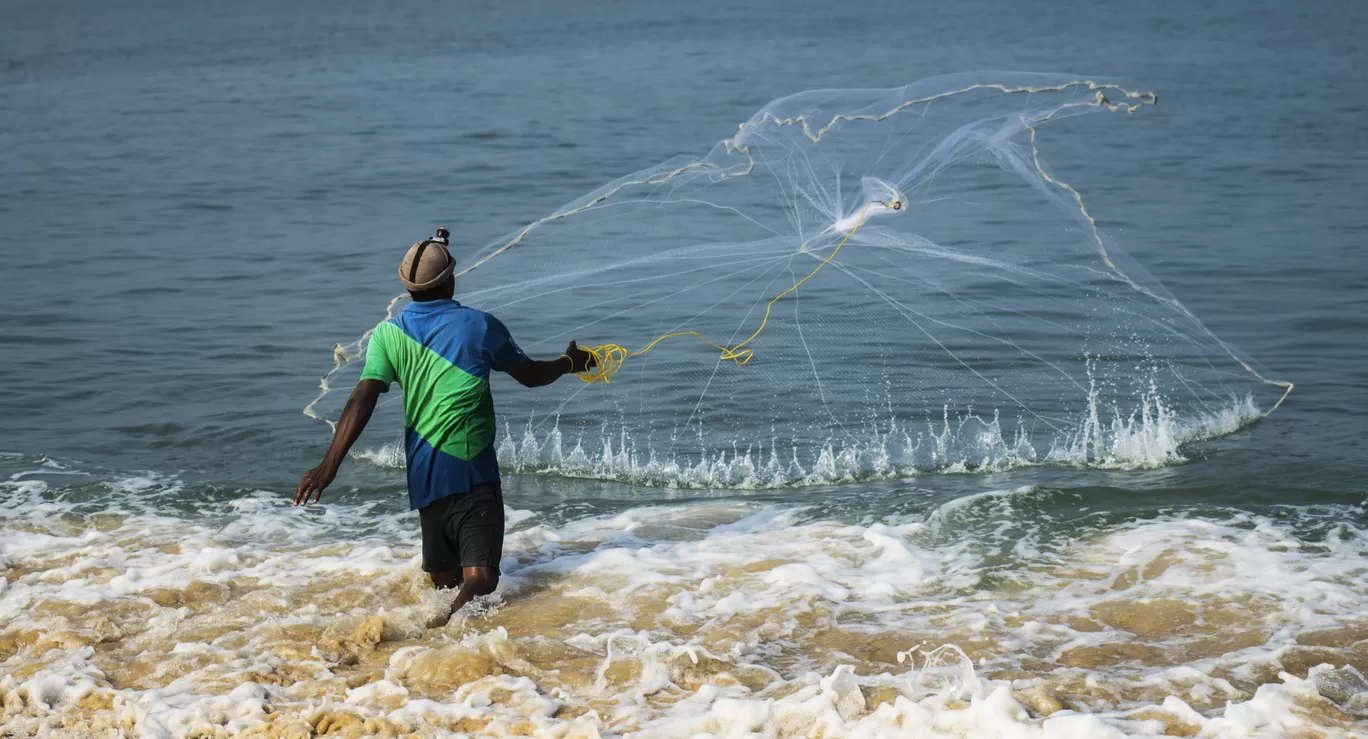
(441, 353)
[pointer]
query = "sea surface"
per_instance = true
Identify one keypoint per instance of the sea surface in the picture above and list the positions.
(198, 201)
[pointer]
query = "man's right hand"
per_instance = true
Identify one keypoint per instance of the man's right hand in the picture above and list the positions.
(353, 421)
(580, 360)
(313, 483)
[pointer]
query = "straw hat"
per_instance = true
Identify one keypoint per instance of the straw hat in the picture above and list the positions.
(427, 264)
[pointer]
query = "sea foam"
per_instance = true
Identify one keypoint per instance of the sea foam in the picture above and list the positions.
(677, 619)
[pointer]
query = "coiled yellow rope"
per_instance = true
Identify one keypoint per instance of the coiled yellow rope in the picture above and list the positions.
(609, 358)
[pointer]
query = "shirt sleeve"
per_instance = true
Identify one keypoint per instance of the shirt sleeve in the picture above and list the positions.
(378, 363)
(501, 351)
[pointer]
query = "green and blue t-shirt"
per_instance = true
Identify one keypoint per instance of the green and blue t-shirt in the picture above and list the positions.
(441, 353)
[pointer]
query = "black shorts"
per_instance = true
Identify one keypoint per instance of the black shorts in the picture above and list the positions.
(463, 530)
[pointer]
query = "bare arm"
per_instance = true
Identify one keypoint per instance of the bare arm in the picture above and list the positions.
(536, 373)
(355, 416)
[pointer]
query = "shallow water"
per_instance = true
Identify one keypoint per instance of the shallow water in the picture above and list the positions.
(222, 191)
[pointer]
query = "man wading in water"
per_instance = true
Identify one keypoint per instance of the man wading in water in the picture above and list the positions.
(441, 353)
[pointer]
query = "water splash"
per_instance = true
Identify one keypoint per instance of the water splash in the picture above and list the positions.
(962, 442)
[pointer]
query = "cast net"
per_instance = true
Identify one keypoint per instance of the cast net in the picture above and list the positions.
(858, 283)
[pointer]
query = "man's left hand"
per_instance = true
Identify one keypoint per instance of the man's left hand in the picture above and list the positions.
(580, 360)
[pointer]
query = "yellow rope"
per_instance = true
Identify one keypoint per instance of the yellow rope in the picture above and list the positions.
(611, 357)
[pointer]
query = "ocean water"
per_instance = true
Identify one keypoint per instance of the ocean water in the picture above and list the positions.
(197, 202)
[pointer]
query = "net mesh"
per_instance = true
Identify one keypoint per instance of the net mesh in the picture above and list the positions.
(858, 283)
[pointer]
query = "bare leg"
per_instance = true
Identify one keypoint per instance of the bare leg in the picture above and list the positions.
(475, 581)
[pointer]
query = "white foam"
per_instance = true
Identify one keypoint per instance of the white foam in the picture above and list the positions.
(779, 595)
(389, 455)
